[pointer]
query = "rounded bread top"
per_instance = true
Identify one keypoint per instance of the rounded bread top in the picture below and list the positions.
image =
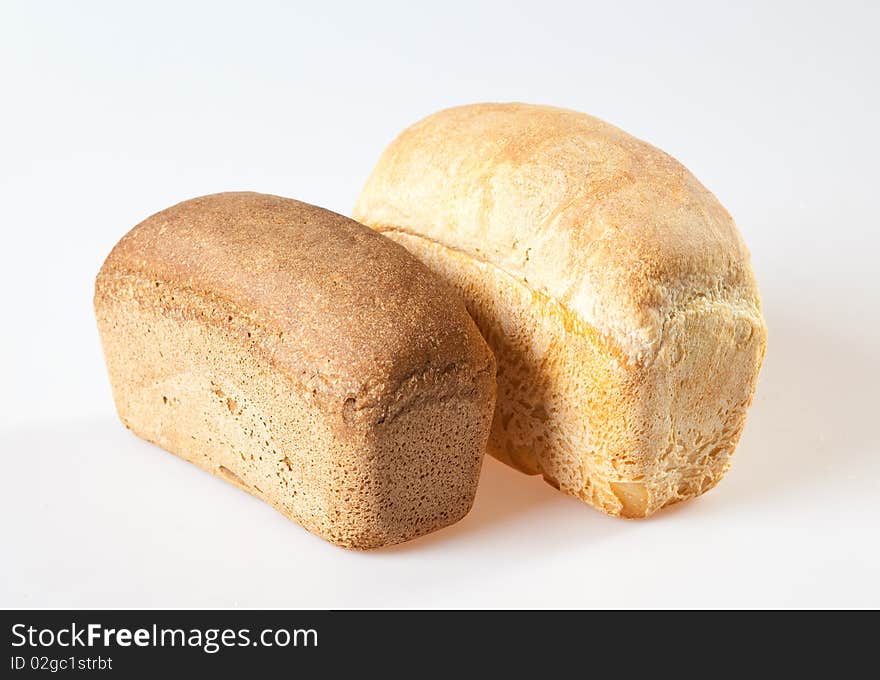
(350, 311)
(614, 229)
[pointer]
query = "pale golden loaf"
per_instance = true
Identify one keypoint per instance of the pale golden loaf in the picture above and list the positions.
(302, 357)
(613, 288)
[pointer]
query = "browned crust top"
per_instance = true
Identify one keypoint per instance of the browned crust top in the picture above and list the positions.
(349, 310)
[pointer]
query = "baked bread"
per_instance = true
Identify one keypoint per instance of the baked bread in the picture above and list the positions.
(614, 289)
(302, 357)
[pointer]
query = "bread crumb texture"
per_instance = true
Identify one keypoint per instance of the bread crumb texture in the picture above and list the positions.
(303, 358)
(613, 288)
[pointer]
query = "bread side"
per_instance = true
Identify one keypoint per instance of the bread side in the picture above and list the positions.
(614, 290)
(338, 389)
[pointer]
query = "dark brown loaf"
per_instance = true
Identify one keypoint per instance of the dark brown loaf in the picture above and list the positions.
(303, 357)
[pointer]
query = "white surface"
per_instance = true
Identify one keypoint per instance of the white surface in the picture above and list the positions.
(111, 113)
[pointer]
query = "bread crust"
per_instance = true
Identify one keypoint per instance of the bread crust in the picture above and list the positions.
(605, 277)
(302, 357)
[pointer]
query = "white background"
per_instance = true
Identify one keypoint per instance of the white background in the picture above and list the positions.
(112, 111)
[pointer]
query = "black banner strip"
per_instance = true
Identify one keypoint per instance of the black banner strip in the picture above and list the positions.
(154, 643)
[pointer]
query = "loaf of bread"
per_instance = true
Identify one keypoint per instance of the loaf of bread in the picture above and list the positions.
(302, 357)
(613, 288)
